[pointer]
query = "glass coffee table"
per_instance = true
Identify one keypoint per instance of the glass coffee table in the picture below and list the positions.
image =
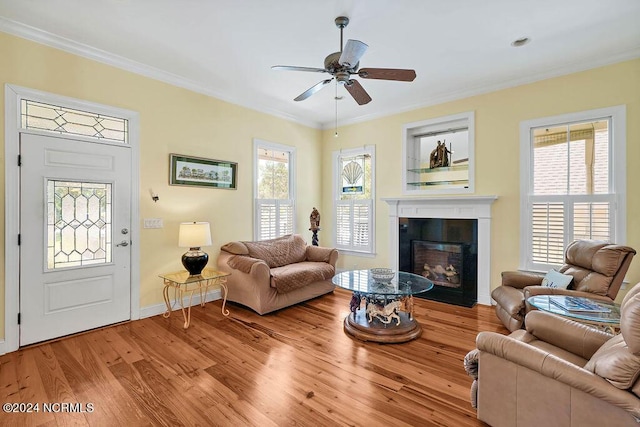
(387, 315)
(605, 315)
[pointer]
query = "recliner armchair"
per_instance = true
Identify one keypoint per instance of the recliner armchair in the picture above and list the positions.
(598, 269)
(561, 373)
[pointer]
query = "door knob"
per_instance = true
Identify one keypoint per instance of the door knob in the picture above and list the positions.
(125, 231)
(123, 243)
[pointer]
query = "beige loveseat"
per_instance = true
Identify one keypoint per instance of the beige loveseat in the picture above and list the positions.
(561, 373)
(271, 274)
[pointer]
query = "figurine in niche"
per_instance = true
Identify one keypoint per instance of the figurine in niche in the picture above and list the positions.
(439, 156)
(434, 157)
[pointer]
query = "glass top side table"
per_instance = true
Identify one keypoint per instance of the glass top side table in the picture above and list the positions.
(183, 283)
(608, 320)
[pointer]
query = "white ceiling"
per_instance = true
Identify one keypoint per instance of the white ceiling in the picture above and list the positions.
(225, 48)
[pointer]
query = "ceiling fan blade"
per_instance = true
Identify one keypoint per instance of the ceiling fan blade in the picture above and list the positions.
(357, 91)
(352, 52)
(293, 68)
(313, 89)
(387, 74)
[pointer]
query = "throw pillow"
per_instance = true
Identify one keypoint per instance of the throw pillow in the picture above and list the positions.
(553, 279)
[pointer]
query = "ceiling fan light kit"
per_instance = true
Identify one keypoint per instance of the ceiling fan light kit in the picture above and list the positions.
(344, 64)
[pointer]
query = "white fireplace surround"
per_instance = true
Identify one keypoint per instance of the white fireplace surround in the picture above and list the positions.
(471, 207)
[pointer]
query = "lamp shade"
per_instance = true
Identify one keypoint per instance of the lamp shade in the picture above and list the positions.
(194, 235)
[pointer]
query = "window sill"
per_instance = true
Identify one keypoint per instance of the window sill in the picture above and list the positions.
(357, 253)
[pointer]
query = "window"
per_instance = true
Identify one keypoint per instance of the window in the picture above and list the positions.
(573, 183)
(353, 172)
(63, 120)
(274, 190)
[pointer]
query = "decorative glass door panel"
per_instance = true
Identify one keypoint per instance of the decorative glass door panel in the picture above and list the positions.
(78, 223)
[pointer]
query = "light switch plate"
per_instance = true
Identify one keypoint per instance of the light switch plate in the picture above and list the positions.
(153, 223)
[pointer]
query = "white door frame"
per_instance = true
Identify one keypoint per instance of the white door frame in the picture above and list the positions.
(13, 97)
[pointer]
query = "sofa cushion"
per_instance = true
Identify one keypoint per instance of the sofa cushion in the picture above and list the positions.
(278, 252)
(236, 248)
(300, 274)
(242, 262)
(630, 322)
(593, 265)
(618, 360)
(615, 363)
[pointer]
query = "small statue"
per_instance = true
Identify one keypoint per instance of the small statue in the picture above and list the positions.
(439, 156)
(444, 154)
(314, 219)
(434, 158)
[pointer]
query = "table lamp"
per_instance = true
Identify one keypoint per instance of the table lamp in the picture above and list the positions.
(193, 235)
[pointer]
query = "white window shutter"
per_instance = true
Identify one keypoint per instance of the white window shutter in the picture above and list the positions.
(353, 225)
(547, 233)
(266, 211)
(275, 218)
(285, 217)
(591, 221)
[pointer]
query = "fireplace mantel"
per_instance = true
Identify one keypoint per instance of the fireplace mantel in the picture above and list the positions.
(469, 207)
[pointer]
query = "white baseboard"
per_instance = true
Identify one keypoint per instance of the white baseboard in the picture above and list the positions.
(154, 310)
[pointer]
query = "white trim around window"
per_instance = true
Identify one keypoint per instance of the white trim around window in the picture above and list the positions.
(354, 219)
(274, 217)
(616, 198)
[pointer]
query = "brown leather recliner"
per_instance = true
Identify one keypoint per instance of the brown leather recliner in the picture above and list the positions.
(561, 373)
(598, 269)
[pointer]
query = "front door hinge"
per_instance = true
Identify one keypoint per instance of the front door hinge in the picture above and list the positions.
(18, 318)
(19, 160)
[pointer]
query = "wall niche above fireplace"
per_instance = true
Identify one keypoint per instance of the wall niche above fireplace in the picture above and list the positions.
(438, 155)
(446, 252)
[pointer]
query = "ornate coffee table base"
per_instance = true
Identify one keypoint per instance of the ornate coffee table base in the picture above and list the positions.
(387, 315)
(357, 326)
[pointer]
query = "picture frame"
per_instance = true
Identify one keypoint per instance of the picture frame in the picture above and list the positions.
(201, 172)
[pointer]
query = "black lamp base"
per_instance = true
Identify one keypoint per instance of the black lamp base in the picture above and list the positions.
(194, 261)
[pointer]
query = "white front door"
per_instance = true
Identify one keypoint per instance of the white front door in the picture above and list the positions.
(75, 217)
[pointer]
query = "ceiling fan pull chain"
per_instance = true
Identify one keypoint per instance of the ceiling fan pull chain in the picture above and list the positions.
(336, 98)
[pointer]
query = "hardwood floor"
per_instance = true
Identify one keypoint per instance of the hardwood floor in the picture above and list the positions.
(294, 367)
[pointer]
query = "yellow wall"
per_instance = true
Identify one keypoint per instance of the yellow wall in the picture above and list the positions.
(172, 120)
(175, 120)
(497, 151)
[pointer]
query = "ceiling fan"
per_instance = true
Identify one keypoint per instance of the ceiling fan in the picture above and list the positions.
(342, 65)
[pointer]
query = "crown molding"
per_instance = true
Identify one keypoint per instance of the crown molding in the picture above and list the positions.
(80, 49)
(578, 66)
(43, 37)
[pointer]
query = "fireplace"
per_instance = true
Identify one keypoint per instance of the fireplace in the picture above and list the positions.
(441, 220)
(444, 251)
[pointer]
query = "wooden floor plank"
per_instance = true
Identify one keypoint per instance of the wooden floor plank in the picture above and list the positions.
(292, 367)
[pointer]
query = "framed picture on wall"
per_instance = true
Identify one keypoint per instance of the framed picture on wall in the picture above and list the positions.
(201, 172)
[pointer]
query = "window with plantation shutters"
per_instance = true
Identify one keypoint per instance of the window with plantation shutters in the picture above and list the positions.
(572, 183)
(354, 207)
(274, 189)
